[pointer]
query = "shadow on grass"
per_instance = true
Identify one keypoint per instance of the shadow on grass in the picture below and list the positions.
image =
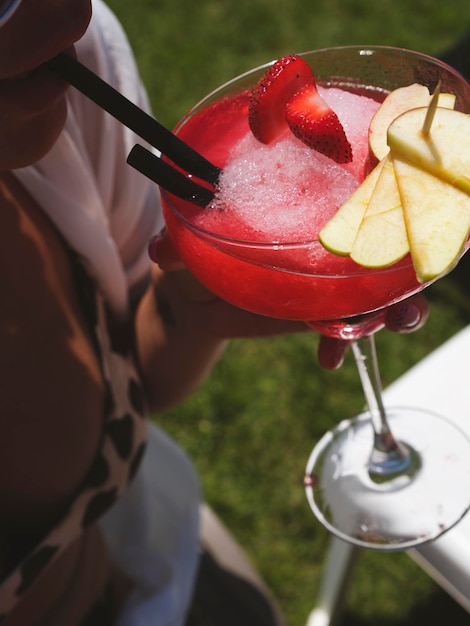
(439, 609)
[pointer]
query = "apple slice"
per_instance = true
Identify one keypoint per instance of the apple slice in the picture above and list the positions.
(340, 231)
(397, 102)
(382, 239)
(444, 151)
(437, 217)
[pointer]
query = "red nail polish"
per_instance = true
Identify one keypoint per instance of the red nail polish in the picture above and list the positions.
(154, 248)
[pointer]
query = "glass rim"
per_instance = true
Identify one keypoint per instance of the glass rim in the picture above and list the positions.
(359, 270)
(362, 50)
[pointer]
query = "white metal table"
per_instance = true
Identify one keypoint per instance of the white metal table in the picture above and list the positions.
(441, 383)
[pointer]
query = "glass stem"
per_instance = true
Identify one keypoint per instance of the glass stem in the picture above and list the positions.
(388, 456)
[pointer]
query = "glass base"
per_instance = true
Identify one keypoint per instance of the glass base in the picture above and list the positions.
(397, 511)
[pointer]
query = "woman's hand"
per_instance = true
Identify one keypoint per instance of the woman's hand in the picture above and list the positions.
(225, 320)
(229, 322)
(404, 317)
(181, 329)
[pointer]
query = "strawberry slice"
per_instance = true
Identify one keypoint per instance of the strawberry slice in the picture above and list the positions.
(266, 113)
(313, 122)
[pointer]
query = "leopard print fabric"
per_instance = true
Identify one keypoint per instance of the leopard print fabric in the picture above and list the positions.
(122, 448)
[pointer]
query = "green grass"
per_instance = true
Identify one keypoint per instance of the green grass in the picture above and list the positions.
(251, 427)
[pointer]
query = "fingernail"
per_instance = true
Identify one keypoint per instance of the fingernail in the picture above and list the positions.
(408, 316)
(154, 248)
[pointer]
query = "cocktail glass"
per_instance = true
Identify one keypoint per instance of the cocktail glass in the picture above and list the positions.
(365, 484)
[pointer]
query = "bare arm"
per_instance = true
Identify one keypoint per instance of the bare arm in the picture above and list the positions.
(182, 330)
(175, 348)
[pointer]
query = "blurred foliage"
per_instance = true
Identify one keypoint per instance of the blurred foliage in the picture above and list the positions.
(186, 49)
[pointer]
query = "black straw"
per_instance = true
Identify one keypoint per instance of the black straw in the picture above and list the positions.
(144, 125)
(166, 176)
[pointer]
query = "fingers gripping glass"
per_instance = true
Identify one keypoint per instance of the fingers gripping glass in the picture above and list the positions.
(7, 8)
